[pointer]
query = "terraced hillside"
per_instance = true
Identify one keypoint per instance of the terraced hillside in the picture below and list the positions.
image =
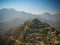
(32, 32)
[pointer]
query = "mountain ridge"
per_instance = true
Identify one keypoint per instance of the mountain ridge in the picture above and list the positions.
(32, 32)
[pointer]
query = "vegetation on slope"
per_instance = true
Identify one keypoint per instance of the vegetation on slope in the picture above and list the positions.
(32, 32)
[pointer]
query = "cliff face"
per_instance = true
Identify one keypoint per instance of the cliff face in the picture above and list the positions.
(32, 32)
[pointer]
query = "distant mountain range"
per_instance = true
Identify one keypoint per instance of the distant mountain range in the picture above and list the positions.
(32, 32)
(10, 18)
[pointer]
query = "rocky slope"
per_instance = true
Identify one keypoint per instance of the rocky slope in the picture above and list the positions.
(32, 32)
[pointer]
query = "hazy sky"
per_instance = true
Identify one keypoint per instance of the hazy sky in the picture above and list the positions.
(32, 6)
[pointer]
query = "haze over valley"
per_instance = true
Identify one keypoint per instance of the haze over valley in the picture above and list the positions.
(10, 18)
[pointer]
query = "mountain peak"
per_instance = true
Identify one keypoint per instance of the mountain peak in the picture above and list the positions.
(33, 20)
(32, 32)
(5, 9)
